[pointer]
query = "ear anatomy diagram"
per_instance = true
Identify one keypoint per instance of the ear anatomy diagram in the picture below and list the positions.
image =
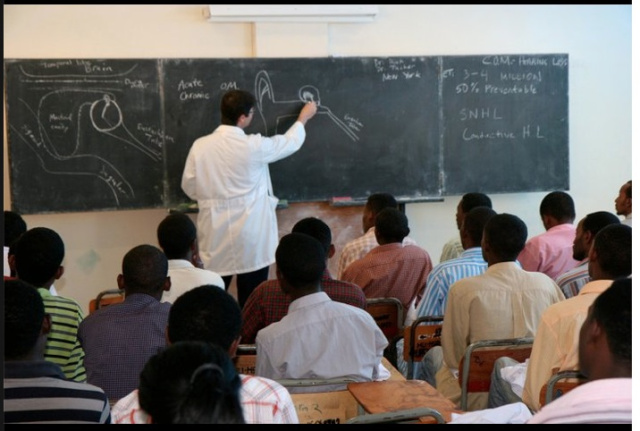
(283, 113)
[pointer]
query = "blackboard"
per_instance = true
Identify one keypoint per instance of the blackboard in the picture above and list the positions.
(107, 134)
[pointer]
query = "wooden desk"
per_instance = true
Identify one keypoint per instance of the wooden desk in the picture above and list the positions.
(395, 374)
(393, 395)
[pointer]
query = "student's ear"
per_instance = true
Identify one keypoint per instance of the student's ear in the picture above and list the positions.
(59, 272)
(120, 281)
(234, 347)
(332, 251)
(167, 284)
(46, 324)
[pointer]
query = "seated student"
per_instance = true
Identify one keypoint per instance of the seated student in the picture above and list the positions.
(391, 269)
(14, 226)
(209, 314)
(191, 382)
(268, 303)
(504, 302)
(36, 391)
(454, 247)
(551, 252)
(623, 203)
(605, 359)
(556, 340)
(318, 338)
(38, 256)
(357, 248)
(119, 339)
(572, 281)
(177, 237)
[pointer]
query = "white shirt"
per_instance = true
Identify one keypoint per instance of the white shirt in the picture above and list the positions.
(185, 276)
(227, 173)
(321, 339)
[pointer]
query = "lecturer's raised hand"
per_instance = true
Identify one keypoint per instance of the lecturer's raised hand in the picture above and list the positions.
(308, 111)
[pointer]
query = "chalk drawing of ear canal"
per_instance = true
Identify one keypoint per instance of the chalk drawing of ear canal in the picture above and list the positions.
(283, 113)
(96, 110)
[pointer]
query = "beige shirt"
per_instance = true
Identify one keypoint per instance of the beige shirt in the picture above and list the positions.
(504, 302)
(556, 341)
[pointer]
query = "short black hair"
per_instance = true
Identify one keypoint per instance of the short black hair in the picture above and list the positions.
(475, 221)
(301, 259)
(392, 225)
(613, 246)
(235, 103)
(14, 226)
(316, 228)
(507, 235)
(594, 222)
(176, 233)
(612, 310)
(38, 254)
(376, 202)
(559, 205)
(472, 200)
(23, 315)
(205, 313)
(144, 269)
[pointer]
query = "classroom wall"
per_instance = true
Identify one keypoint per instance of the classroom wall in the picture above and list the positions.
(596, 37)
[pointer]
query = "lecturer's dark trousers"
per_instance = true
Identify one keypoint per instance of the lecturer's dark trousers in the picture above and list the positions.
(246, 283)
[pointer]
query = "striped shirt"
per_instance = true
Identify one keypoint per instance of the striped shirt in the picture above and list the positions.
(452, 249)
(264, 401)
(357, 248)
(63, 347)
(37, 392)
(572, 281)
(443, 275)
(268, 303)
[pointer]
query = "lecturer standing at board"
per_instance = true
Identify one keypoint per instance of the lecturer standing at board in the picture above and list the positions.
(227, 173)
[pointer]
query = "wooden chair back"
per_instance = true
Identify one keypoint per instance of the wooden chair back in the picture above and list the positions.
(559, 384)
(245, 360)
(419, 338)
(476, 366)
(388, 314)
(398, 416)
(106, 297)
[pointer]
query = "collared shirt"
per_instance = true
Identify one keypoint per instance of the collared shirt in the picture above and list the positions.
(357, 248)
(391, 270)
(268, 303)
(185, 276)
(551, 252)
(556, 340)
(572, 281)
(264, 401)
(38, 392)
(504, 302)
(119, 339)
(227, 173)
(452, 249)
(322, 339)
(63, 347)
(602, 401)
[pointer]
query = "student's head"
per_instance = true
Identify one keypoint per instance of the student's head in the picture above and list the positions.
(38, 256)
(391, 226)
(300, 263)
(623, 201)
(610, 254)
(25, 323)
(605, 336)
(473, 225)
(191, 382)
(144, 270)
(206, 313)
(503, 238)
(587, 229)
(14, 226)
(318, 229)
(234, 104)
(470, 201)
(557, 208)
(177, 235)
(376, 202)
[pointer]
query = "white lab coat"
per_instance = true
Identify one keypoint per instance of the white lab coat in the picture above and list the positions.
(227, 173)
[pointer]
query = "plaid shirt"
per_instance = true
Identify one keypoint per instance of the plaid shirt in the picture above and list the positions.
(264, 401)
(268, 304)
